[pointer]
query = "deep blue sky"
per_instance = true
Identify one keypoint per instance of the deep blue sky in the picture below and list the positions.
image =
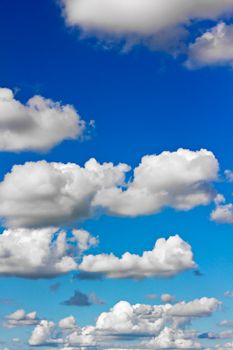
(143, 102)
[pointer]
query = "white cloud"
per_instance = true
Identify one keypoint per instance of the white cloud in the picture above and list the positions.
(168, 258)
(195, 308)
(223, 214)
(124, 319)
(85, 240)
(84, 337)
(136, 21)
(147, 319)
(171, 339)
(21, 318)
(38, 253)
(48, 252)
(155, 324)
(67, 323)
(178, 179)
(56, 193)
(214, 47)
(37, 125)
(42, 334)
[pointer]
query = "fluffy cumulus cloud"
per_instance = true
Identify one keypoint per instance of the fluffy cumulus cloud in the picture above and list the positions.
(21, 318)
(214, 47)
(152, 22)
(223, 214)
(38, 253)
(67, 323)
(37, 125)
(178, 179)
(168, 258)
(56, 193)
(84, 338)
(172, 339)
(84, 239)
(142, 326)
(48, 252)
(124, 319)
(195, 308)
(42, 335)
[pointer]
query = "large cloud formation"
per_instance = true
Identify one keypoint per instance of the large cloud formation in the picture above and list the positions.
(39, 253)
(178, 179)
(168, 258)
(155, 23)
(125, 318)
(54, 193)
(37, 125)
(48, 252)
(142, 326)
(57, 193)
(140, 16)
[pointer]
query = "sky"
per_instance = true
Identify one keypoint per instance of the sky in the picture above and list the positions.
(116, 174)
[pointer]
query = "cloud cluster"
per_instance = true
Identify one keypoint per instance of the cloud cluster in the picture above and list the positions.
(140, 319)
(172, 339)
(167, 258)
(56, 193)
(126, 319)
(37, 125)
(214, 47)
(21, 318)
(48, 252)
(39, 253)
(154, 23)
(142, 326)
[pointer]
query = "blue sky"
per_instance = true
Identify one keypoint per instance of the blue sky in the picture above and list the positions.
(144, 99)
